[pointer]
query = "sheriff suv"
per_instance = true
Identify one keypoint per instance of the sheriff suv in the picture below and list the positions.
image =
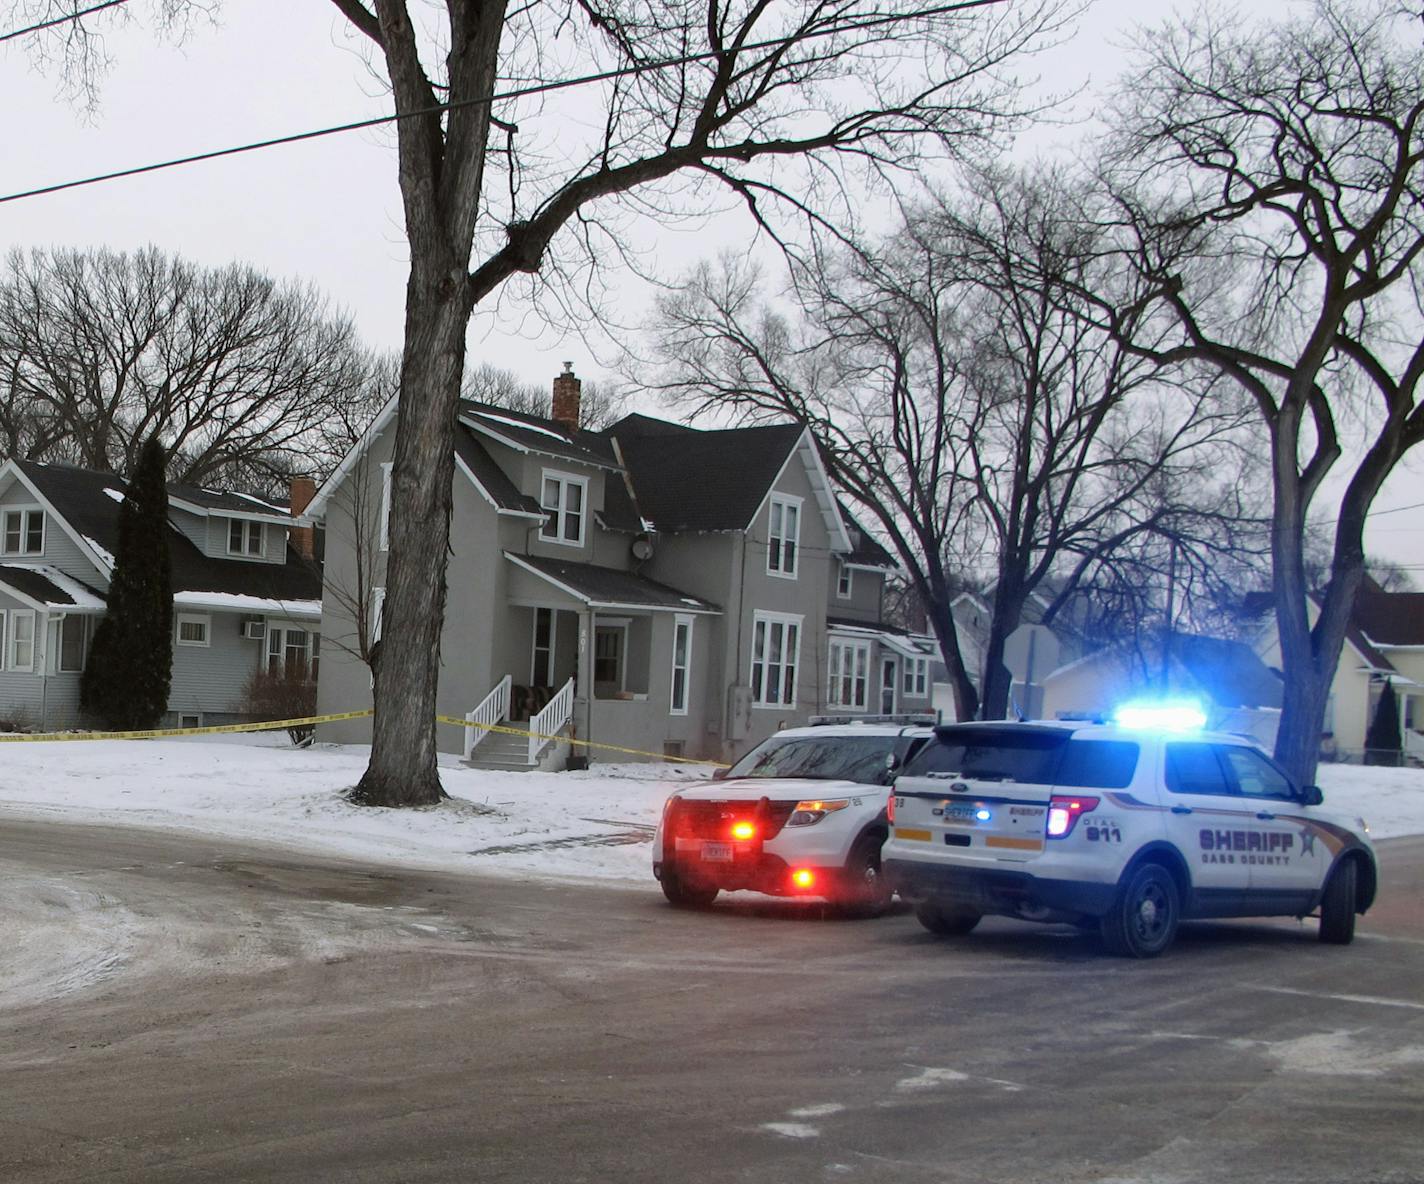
(802, 814)
(1128, 830)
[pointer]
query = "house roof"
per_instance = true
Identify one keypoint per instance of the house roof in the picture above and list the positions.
(1229, 671)
(226, 501)
(534, 433)
(865, 551)
(1390, 618)
(491, 479)
(902, 641)
(1259, 604)
(605, 587)
(89, 502)
(49, 587)
(692, 480)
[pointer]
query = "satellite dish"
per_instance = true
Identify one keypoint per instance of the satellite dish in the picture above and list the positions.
(642, 547)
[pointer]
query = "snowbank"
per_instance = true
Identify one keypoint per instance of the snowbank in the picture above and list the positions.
(596, 824)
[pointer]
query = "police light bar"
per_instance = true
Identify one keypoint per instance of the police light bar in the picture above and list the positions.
(1166, 716)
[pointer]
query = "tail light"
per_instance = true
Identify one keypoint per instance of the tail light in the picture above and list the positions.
(744, 831)
(803, 878)
(890, 808)
(1064, 811)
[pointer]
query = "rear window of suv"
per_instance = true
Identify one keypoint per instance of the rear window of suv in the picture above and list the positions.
(1027, 757)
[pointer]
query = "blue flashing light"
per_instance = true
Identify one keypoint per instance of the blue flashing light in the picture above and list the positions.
(982, 815)
(1180, 715)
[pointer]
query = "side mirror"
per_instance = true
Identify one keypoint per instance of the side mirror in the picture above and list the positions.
(719, 773)
(1311, 795)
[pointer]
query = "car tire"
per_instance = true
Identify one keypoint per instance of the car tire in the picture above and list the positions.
(865, 892)
(1337, 906)
(946, 921)
(684, 895)
(1145, 913)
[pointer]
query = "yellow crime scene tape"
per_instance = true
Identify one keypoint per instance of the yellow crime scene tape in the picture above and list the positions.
(311, 720)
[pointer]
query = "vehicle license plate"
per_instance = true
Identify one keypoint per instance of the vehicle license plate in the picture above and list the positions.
(717, 852)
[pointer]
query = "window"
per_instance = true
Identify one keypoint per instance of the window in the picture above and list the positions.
(24, 532)
(843, 580)
(917, 677)
(194, 629)
(1194, 768)
(1097, 764)
(784, 536)
(245, 537)
(386, 506)
(292, 652)
(608, 656)
(849, 668)
(73, 634)
(681, 662)
(190, 721)
(1255, 776)
(542, 674)
(3, 635)
(776, 643)
(563, 502)
(21, 652)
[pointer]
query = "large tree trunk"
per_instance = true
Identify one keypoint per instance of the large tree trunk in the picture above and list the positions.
(966, 699)
(403, 769)
(997, 681)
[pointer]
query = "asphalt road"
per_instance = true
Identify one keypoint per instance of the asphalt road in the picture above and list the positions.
(185, 1010)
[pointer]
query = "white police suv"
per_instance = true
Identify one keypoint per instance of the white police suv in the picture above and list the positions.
(802, 814)
(1129, 828)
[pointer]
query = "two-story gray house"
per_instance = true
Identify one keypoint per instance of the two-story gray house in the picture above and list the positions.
(651, 586)
(246, 592)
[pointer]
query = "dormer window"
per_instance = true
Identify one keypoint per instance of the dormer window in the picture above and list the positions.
(563, 503)
(843, 581)
(23, 532)
(245, 537)
(783, 536)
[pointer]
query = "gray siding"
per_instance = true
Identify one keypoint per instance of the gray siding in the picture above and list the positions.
(60, 550)
(214, 541)
(209, 679)
(866, 591)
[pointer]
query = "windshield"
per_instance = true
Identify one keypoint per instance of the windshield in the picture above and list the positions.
(838, 758)
(991, 754)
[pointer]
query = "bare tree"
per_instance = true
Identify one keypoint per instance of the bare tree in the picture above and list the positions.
(963, 399)
(1271, 181)
(777, 105)
(243, 379)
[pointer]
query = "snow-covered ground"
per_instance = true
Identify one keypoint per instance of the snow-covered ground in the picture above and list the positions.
(596, 824)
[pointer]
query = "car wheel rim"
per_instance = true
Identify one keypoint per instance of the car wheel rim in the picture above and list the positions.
(1151, 916)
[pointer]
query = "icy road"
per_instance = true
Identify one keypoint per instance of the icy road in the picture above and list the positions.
(185, 1008)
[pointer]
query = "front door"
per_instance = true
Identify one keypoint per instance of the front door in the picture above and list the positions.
(889, 684)
(608, 656)
(1286, 859)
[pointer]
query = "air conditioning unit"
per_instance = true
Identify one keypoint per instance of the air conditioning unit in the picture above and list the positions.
(254, 630)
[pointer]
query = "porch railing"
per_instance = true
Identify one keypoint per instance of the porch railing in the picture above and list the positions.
(492, 711)
(556, 714)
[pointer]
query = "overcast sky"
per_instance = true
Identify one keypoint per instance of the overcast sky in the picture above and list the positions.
(328, 210)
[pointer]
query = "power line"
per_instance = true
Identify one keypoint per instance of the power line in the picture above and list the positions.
(518, 93)
(60, 20)
(1377, 513)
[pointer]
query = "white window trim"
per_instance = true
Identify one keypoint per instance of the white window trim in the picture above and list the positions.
(203, 619)
(891, 684)
(24, 511)
(608, 625)
(386, 506)
(4, 640)
(783, 619)
(914, 677)
(564, 480)
(680, 621)
(11, 640)
(248, 525)
(834, 676)
(378, 611)
(776, 544)
(845, 575)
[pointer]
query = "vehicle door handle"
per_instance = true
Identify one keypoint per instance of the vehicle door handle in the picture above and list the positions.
(1181, 809)
(1265, 816)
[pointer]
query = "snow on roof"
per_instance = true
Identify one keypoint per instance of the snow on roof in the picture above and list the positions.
(266, 505)
(116, 494)
(81, 596)
(237, 602)
(98, 550)
(524, 424)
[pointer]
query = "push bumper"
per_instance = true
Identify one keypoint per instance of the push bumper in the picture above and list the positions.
(993, 890)
(765, 873)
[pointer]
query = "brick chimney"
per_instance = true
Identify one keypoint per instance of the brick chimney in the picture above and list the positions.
(568, 389)
(303, 538)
